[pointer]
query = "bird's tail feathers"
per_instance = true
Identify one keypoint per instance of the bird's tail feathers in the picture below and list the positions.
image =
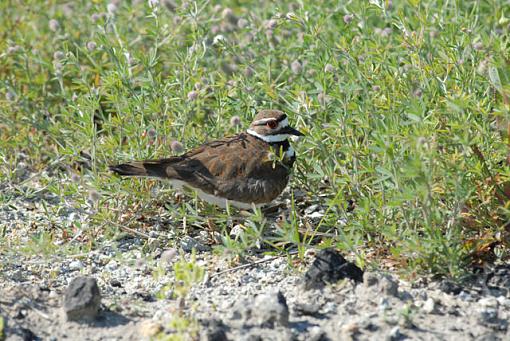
(140, 168)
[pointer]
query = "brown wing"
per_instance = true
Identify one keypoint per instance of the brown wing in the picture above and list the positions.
(237, 168)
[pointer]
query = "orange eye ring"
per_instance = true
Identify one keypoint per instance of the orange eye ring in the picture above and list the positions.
(272, 124)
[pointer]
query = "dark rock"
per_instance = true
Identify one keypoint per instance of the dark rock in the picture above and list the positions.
(115, 283)
(330, 266)
(82, 299)
(214, 331)
(27, 335)
(499, 278)
(310, 309)
(450, 287)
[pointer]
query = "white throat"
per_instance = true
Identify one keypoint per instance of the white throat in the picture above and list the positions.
(269, 138)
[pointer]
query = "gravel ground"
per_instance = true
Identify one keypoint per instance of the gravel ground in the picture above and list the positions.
(266, 301)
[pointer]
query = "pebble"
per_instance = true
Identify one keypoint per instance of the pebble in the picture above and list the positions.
(168, 257)
(429, 306)
(316, 333)
(503, 301)
(189, 243)
(270, 310)
(489, 302)
(394, 334)
(82, 299)
(383, 304)
(381, 283)
(465, 296)
(112, 265)
(149, 328)
(75, 265)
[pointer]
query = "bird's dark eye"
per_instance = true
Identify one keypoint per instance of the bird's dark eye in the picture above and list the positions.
(272, 124)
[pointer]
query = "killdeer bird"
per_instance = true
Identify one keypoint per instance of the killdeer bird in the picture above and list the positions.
(251, 168)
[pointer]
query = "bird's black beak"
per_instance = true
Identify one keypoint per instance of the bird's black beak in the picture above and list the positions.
(291, 131)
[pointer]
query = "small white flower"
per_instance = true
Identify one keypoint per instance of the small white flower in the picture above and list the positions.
(242, 23)
(348, 18)
(10, 96)
(13, 49)
(58, 55)
(329, 68)
(296, 67)
(271, 24)
(176, 147)
(54, 25)
(91, 46)
(478, 46)
(111, 8)
(94, 196)
(218, 39)
(192, 95)
(153, 3)
(95, 17)
(235, 121)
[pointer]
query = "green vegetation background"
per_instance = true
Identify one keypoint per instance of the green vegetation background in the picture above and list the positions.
(405, 106)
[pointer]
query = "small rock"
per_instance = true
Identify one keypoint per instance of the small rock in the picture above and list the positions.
(112, 265)
(450, 287)
(316, 215)
(316, 334)
(114, 282)
(82, 299)
(488, 315)
(189, 243)
(465, 296)
(394, 334)
(503, 301)
(309, 309)
(270, 310)
(330, 266)
(384, 304)
(214, 331)
(500, 278)
(168, 257)
(26, 334)
(310, 209)
(149, 328)
(488, 302)
(349, 330)
(75, 265)
(384, 284)
(429, 306)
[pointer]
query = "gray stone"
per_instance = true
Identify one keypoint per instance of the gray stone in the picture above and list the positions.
(75, 265)
(189, 243)
(82, 299)
(381, 283)
(270, 310)
(429, 306)
(168, 257)
(394, 334)
(267, 311)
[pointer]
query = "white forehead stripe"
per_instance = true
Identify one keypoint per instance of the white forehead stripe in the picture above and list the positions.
(263, 121)
(269, 138)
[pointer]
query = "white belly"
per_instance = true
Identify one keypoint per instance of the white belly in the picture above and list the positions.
(212, 199)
